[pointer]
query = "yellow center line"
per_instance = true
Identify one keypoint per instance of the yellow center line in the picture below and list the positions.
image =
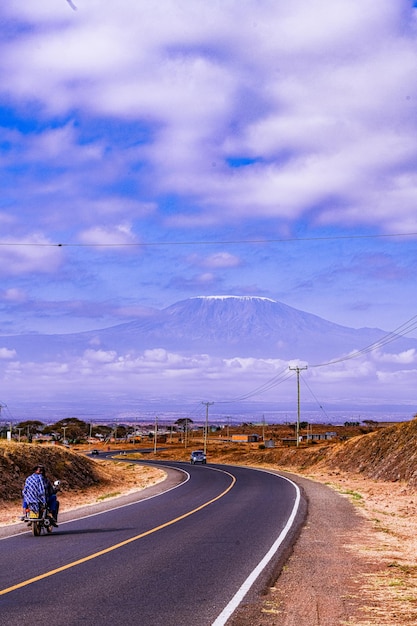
(25, 583)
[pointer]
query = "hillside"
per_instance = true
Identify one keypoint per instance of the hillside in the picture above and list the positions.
(75, 471)
(388, 454)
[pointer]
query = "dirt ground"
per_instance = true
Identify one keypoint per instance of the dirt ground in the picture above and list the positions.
(354, 563)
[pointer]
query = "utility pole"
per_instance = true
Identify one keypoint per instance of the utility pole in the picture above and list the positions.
(185, 432)
(298, 370)
(206, 426)
(155, 434)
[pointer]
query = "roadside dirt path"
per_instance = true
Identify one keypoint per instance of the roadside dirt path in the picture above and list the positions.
(321, 583)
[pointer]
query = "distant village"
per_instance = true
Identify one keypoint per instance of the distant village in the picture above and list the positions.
(73, 431)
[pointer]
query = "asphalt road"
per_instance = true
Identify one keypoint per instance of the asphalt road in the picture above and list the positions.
(186, 556)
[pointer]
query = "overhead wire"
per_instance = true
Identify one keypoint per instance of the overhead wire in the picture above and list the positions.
(399, 332)
(269, 384)
(142, 244)
(311, 391)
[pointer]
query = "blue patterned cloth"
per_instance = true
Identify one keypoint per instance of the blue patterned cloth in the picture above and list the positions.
(34, 492)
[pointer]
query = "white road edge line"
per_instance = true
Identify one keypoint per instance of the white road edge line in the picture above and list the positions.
(243, 590)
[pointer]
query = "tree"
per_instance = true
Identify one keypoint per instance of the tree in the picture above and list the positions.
(30, 428)
(370, 422)
(72, 429)
(183, 423)
(102, 431)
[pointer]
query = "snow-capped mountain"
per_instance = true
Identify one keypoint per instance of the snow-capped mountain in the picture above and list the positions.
(223, 326)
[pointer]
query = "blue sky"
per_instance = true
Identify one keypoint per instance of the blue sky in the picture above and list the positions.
(175, 149)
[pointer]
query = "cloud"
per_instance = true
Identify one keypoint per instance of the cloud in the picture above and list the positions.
(110, 374)
(5, 353)
(407, 357)
(326, 100)
(204, 281)
(119, 234)
(100, 356)
(129, 122)
(14, 295)
(217, 260)
(31, 254)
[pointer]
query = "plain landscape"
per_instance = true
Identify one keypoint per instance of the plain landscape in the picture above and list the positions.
(191, 230)
(376, 471)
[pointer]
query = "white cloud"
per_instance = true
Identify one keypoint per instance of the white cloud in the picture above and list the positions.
(328, 99)
(135, 121)
(406, 358)
(118, 234)
(5, 353)
(218, 260)
(101, 371)
(32, 253)
(100, 356)
(222, 260)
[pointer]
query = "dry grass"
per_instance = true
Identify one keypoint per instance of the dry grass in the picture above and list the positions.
(390, 595)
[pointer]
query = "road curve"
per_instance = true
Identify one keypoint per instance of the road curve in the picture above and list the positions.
(188, 555)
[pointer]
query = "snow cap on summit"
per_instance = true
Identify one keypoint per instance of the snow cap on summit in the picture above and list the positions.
(232, 297)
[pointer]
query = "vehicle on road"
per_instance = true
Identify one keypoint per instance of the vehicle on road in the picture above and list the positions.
(42, 521)
(45, 518)
(94, 452)
(198, 456)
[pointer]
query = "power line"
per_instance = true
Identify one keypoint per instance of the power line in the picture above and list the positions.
(402, 330)
(269, 384)
(282, 376)
(318, 403)
(204, 243)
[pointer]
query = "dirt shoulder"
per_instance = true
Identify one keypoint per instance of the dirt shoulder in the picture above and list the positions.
(354, 562)
(320, 585)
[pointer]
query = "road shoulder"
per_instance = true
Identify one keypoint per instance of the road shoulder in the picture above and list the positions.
(320, 583)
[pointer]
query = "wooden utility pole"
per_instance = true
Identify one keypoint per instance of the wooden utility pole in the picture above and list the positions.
(206, 425)
(298, 370)
(155, 439)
